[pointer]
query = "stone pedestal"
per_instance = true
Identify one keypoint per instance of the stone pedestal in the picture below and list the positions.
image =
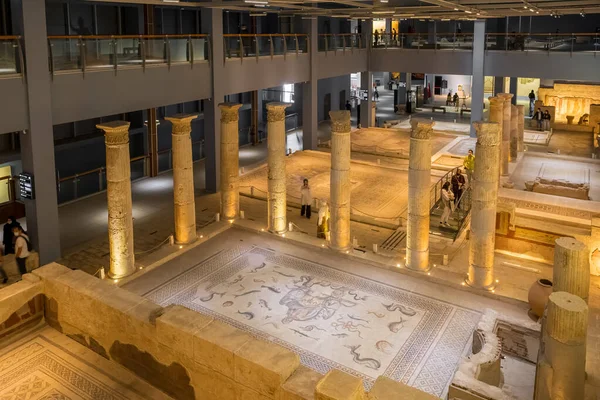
(514, 133)
(484, 195)
(520, 127)
(276, 167)
(118, 189)
(340, 180)
(183, 178)
(571, 267)
(419, 186)
(230, 164)
(560, 371)
(506, 127)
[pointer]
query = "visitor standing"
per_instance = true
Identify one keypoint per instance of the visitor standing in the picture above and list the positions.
(375, 94)
(447, 202)
(376, 37)
(8, 239)
(22, 249)
(469, 164)
(458, 184)
(2, 271)
(546, 120)
(348, 106)
(394, 36)
(306, 199)
(538, 117)
(531, 103)
(456, 100)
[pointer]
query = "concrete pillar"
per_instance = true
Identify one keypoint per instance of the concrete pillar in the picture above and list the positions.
(571, 267)
(366, 77)
(484, 195)
(310, 100)
(340, 181)
(230, 160)
(513, 89)
(505, 149)
(212, 24)
(419, 186)
(118, 189)
(183, 178)
(478, 77)
(514, 132)
(560, 371)
(276, 167)
(520, 127)
(37, 143)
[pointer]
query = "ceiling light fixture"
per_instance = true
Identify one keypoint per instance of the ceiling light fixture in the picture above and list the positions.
(469, 12)
(259, 2)
(455, 9)
(264, 14)
(309, 17)
(170, 1)
(383, 12)
(340, 16)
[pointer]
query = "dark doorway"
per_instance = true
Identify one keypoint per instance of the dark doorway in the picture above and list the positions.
(326, 106)
(342, 100)
(438, 85)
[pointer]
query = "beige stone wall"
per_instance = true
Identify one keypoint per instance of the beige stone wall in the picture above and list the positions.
(186, 354)
(570, 99)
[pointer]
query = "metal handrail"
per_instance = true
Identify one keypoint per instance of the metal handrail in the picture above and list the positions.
(181, 36)
(435, 193)
(242, 50)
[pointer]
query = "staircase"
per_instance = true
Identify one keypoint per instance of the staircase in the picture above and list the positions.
(458, 219)
(394, 240)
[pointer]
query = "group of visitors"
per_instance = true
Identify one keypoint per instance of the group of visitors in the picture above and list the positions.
(453, 190)
(15, 242)
(543, 119)
(452, 100)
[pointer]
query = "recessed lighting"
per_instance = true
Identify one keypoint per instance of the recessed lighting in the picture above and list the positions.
(181, 247)
(262, 2)
(469, 12)
(455, 9)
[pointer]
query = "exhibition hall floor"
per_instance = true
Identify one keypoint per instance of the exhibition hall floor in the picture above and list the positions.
(335, 312)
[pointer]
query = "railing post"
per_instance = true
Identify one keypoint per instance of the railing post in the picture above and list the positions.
(343, 44)
(82, 54)
(241, 46)
(419, 42)
(115, 62)
(297, 45)
(143, 45)
(271, 44)
(191, 51)
(256, 47)
(50, 54)
(572, 42)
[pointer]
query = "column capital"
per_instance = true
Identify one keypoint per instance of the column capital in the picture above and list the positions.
(181, 123)
(340, 121)
(505, 96)
(229, 112)
(496, 101)
(276, 111)
(115, 132)
(421, 128)
(488, 133)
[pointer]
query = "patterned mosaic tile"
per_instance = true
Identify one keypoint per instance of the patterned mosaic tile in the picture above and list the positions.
(331, 318)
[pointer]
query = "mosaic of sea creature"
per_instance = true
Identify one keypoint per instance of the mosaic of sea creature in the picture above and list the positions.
(403, 309)
(349, 326)
(367, 362)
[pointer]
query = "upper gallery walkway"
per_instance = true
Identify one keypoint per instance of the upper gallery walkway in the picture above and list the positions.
(93, 76)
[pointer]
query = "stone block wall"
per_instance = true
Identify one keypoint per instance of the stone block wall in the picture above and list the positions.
(185, 354)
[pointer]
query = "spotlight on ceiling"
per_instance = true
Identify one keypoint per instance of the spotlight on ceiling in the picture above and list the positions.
(582, 13)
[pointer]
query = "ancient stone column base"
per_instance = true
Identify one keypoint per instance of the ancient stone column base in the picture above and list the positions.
(420, 263)
(478, 278)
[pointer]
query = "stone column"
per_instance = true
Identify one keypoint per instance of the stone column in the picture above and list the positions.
(276, 167)
(484, 195)
(118, 189)
(230, 161)
(571, 267)
(497, 115)
(340, 180)
(183, 178)
(560, 373)
(520, 127)
(505, 149)
(373, 114)
(514, 132)
(419, 186)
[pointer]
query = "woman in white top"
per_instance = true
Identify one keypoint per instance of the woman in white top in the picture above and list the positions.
(448, 202)
(306, 199)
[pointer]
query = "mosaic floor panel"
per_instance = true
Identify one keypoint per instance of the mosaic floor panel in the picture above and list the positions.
(332, 319)
(50, 366)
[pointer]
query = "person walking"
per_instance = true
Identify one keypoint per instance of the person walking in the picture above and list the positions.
(8, 238)
(447, 202)
(538, 117)
(305, 199)
(546, 121)
(531, 103)
(469, 165)
(22, 248)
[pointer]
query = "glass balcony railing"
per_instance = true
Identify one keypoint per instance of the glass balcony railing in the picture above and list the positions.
(341, 42)
(542, 42)
(67, 53)
(11, 56)
(261, 45)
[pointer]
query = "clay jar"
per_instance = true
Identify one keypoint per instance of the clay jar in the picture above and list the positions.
(538, 296)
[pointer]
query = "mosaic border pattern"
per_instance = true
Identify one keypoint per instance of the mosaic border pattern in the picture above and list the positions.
(182, 290)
